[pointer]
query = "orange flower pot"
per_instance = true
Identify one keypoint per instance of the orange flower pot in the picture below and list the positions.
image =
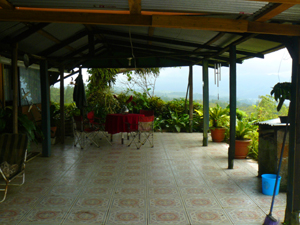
(241, 149)
(218, 134)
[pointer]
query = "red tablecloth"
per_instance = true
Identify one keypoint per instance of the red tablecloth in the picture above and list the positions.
(116, 123)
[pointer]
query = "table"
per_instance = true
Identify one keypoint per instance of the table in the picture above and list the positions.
(116, 123)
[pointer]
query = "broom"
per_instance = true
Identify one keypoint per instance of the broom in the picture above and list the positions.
(270, 220)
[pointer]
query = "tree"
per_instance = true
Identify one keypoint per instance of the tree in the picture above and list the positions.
(267, 109)
(144, 78)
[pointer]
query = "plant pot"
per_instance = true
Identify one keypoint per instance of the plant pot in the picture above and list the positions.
(241, 149)
(218, 134)
(53, 131)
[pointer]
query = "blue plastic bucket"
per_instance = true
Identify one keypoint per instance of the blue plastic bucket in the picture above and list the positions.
(268, 184)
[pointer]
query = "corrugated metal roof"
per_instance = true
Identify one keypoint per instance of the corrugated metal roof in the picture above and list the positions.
(217, 6)
(273, 123)
(291, 14)
(74, 4)
(11, 29)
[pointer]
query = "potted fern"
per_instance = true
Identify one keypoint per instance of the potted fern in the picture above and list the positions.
(219, 120)
(243, 132)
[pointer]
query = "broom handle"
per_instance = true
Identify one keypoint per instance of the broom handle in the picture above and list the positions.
(280, 161)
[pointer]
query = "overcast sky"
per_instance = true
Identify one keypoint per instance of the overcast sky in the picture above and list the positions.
(258, 75)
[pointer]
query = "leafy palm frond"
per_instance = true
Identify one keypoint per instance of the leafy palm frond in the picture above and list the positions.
(218, 116)
(244, 129)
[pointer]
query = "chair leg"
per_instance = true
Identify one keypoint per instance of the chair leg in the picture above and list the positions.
(5, 192)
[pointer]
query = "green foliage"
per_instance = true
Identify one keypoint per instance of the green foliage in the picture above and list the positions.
(253, 148)
(281, 91)
(54, 114)
(198, 120)
(241, 114)
(218, 116)
(159, 124)
(24, 124)
(244, 129)
(102, 78)
(266, 109)
(176, 122)
(68, 94)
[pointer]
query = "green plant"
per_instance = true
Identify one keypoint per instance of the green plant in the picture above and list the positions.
(253, 148)
(54, 115)
(198, 120)
(175, 122)
(244, 129)
(158, 124)
(218, 116)
(282, 92)
(25, 125)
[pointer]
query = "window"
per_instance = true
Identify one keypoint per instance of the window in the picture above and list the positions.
(30, 86)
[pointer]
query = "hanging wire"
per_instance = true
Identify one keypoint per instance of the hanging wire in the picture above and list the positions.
(134, 60)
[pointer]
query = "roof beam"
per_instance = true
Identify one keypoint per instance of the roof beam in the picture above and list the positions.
(184, 22)
(272, 12)
(6, 5)
(31, 30)
(174, 42)
(135, 7)
(63, 43)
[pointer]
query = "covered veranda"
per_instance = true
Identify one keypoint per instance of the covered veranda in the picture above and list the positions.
(60, 37)
(176, 182)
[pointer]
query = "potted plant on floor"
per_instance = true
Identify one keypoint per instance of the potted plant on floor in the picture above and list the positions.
(219, 120)
(243, 132)
(282, 92)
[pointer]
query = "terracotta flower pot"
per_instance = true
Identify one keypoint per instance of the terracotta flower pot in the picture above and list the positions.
(241, 149)
(218, 134)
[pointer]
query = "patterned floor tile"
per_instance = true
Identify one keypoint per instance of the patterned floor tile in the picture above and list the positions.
(129, 202)
(250, 215)
(96, 190)
(208, 216)
(190, 181)
(130, 190)
(65, 190)
(161, 181)
(45, 215)
(162, 191)
(227, 190)
(87, 201)
(199, 190)
(57, 201)
(108, 181)
(127, 216)
(236, 201)
(207, 201)
(20, 201)
(164, 202)
(167, 216)
(131, 181)
(12, 215)
(85, 216)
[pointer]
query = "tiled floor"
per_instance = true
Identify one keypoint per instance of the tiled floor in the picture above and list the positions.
(176, 182)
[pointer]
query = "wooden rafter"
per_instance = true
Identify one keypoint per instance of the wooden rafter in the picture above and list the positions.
(175, 42)
(63, 43)
(6, 5)
(184, 22)
(135, 7)
(272, 12)
(30, 31)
